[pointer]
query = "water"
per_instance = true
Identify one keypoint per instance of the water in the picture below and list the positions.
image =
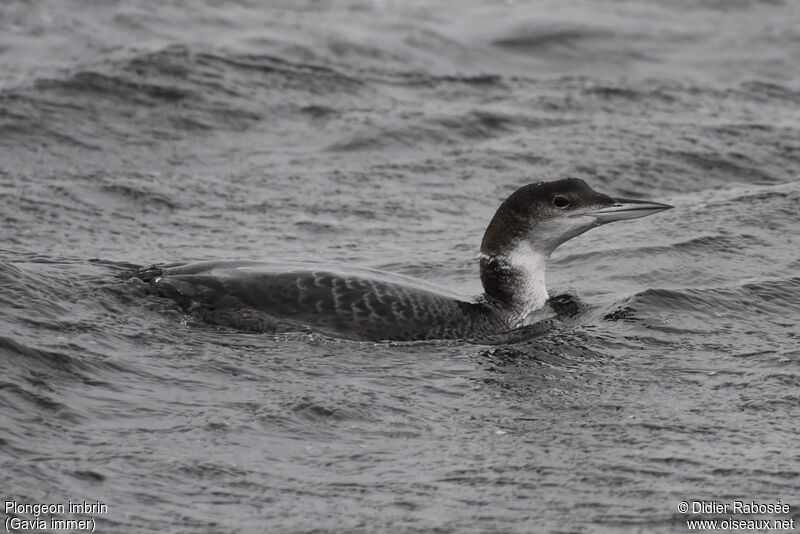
(384, 135)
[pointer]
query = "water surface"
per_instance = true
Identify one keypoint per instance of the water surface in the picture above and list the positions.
(384, 135)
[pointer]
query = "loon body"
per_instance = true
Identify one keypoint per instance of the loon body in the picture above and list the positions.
(373, 305)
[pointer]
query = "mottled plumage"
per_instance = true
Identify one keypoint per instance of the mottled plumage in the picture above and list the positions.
(359, 304)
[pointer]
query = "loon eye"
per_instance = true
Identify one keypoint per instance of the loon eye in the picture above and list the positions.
(560, 202)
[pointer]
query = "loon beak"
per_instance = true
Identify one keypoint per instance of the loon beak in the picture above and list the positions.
(623, 209)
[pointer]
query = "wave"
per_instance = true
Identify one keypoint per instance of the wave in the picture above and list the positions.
(758, 306)
(475, 125)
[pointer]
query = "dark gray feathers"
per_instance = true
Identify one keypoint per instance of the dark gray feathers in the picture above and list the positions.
(359, 305)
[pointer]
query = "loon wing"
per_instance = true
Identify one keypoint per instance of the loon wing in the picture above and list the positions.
(359, 304)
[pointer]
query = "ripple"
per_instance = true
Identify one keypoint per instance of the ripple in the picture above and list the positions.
(443, 130)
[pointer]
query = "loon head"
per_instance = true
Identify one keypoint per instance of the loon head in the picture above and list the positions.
(531, 223)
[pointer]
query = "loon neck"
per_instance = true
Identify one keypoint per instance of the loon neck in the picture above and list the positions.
(513, 275)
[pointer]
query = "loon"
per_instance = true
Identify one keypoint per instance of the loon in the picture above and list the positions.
(363, 304)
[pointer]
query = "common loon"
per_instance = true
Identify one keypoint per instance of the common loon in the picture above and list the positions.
(372, 305)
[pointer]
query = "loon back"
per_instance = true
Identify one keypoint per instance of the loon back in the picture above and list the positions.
(371, 305)
(358, 304)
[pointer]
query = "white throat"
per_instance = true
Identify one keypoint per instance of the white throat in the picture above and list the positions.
(531, 265)
(528, 266)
